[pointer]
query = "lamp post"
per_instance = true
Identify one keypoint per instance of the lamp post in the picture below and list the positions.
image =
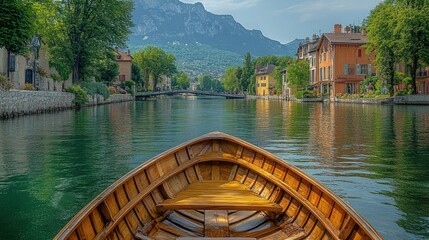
(35, 43)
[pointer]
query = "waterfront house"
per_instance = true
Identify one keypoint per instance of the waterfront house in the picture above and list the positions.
(342, 61)
(307, 51)
(124, 60)
(265, 82)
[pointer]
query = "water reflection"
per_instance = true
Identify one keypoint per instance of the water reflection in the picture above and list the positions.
(375, 157)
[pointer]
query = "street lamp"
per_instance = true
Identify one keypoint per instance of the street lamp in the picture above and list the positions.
(35, 43)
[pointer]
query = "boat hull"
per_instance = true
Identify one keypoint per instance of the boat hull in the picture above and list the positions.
(217, 186)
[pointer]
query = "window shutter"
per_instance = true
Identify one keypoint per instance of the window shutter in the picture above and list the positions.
(346, 69)
(358, 69)
(369, 69)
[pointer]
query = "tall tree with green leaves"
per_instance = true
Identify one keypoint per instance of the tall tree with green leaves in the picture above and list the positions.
(248, 70)
(82, 30)
(230, 80)
(298, 74)
(181, 81)
(16, 26)
(412, 28)
(154, 63)
(381, 25)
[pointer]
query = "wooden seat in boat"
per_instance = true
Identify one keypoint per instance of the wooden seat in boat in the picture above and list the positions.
(218, 195)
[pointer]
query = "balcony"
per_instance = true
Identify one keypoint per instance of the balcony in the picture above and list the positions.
(422, 73)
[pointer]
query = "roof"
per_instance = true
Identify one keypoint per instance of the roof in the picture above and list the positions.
(123, 56)
(345, 38)
(262, 70)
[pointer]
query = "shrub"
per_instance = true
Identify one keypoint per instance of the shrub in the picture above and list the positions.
(305, 94)
(29, 87)
(93, 88)
(81, 96)
(112, 90)
(129, 83)
(403, 92)
(5, 84)
(56, 77)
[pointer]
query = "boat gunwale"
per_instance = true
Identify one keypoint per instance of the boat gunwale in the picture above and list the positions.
(74, 222)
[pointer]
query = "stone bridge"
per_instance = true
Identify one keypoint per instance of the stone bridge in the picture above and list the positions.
(145, 95)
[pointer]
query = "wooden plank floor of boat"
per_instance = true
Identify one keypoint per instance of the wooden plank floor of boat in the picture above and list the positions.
(218, 195)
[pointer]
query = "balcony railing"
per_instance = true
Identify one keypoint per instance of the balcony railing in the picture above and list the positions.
(422, 73)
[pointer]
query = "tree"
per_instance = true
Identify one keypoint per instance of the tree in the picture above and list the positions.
(15, 26)
(136, 73)
(297, 74)
(413, 19)
(154, 63)
(205, 83)
(230, 80)
(82, 30)
(107, 67)
(248, 70)
(181, 81)
(381, 26)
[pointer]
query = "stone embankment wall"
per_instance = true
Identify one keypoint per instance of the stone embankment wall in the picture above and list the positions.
(265, 97)
(412, 100)
(365, 100)
(17, 103)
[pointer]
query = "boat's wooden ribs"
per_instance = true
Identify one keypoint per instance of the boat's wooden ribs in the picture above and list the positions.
(301, 207)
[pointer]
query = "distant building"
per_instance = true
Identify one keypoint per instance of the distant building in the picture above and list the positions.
(265, 82)
(124, 60)
(342, 61)
(307, 51)
(422, 81)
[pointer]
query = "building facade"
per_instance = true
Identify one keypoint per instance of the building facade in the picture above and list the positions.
(265, 82)
(307, 51)
(342, 62)
(124, 60)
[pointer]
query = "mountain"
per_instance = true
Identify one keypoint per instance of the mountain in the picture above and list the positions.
(181, 28)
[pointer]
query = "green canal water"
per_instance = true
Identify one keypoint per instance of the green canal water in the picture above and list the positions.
(375, 157)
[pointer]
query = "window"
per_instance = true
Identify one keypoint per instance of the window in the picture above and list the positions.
(346, 69)
(352, 88)
(361, 69)
(320, 74)
(312, 76)
(123, 77)
(359, 52)
(329, 73)
(265, 77)
(324, 56)
(263, 84)
(313, 61)
(262, 78)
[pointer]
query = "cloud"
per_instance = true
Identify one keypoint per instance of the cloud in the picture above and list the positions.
(225, 5)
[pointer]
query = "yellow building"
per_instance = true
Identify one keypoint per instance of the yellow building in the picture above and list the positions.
(265, 81)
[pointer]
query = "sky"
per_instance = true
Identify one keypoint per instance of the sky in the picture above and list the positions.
(286, 20)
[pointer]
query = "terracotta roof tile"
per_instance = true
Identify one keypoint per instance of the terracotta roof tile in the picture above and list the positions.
(123, 56)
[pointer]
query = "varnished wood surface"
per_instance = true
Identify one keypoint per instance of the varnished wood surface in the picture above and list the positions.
(220, 195)
(217, 186)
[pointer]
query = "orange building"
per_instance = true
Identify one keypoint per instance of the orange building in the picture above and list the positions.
(124, 61)
(342, 62)
(265, 82)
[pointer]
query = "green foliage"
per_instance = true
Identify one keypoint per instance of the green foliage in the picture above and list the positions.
(247, 72)
(93, 88)
(81, 96)
(155, 62)
(181, 81)
(298, 74)
(370, 84)
(107, 67)
(195, 59)
(230, 80)
(5, 84)
(403, 92)
(56, 77)
(16, 28)
(77, 33)
(136, 73)
(305, 94)
(408, 81)
(208, 83)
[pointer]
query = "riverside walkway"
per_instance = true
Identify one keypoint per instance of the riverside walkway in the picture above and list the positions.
(145, 95)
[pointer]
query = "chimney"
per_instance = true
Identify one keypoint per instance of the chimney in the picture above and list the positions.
(314, 37)
(363, 31)
(129, 52)
(307, 39)
(338, 28)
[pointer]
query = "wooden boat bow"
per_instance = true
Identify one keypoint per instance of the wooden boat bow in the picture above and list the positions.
(217, 186)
